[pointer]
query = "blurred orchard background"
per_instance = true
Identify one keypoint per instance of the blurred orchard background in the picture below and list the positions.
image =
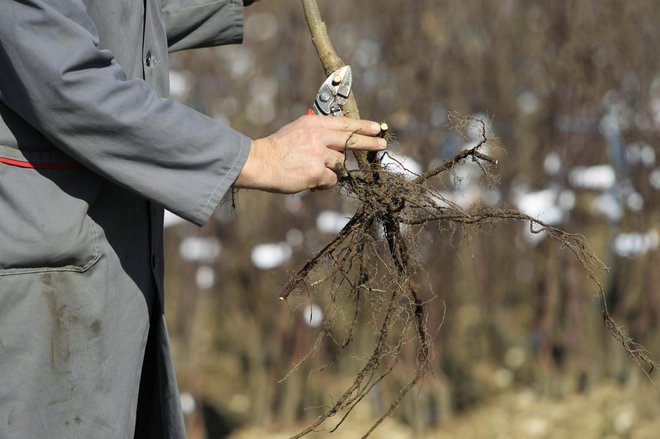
(572, 91)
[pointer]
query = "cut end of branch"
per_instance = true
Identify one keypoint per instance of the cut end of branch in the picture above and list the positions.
(383, 129)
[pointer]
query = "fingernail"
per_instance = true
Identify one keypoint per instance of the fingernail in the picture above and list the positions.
(382, 143)
(375, 128)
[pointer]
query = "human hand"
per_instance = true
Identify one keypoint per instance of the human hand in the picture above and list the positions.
(306, 154)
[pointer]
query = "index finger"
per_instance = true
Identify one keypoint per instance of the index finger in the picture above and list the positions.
(359, 126)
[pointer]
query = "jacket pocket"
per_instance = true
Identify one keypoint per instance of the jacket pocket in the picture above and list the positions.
(44, 226)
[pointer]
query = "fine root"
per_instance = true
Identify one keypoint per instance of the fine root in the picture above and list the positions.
(374, 261)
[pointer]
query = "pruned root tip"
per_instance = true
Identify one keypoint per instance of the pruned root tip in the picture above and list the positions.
(383, 129)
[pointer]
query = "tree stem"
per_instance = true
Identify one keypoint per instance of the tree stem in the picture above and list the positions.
(331, 62)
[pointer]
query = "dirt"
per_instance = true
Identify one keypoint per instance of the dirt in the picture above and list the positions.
(609, 412)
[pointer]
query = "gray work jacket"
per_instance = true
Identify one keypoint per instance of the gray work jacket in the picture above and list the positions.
(90, 153)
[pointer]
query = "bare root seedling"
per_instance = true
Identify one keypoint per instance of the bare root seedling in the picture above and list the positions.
(370, 267)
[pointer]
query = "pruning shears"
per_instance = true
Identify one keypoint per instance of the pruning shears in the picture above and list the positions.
(333, 93)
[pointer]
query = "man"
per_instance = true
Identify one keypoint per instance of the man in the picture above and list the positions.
(90, 153)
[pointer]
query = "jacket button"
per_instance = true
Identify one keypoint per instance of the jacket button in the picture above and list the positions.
(148, 60)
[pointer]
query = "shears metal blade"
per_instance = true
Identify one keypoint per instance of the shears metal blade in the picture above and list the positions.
(334, 93)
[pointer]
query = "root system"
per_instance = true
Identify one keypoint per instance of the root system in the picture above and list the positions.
(370, 267)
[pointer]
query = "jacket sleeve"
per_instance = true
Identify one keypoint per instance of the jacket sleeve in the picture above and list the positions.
(202, 23)
(56, 78)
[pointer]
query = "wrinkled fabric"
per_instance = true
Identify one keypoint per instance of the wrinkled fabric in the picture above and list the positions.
(91, 150)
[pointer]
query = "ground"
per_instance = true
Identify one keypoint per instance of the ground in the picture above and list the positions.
(610, 412)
